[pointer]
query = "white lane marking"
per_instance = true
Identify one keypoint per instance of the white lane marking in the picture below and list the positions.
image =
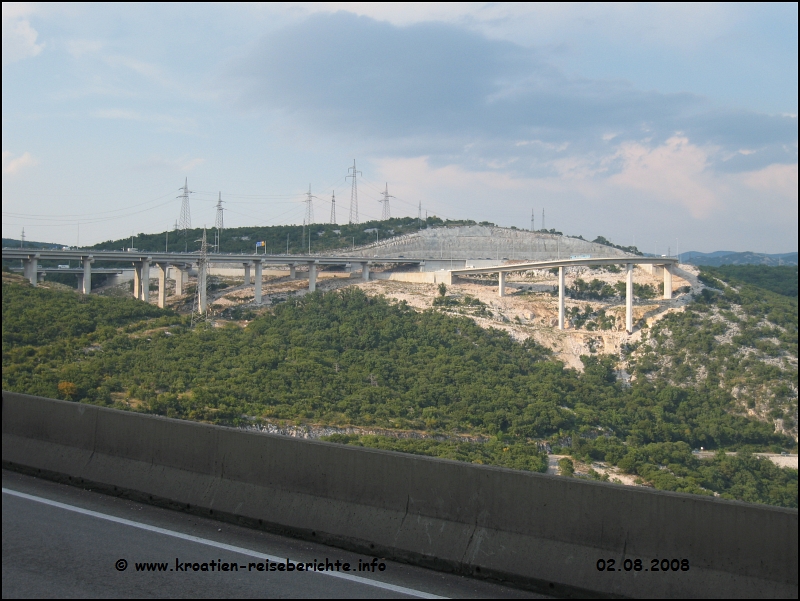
(211, 543)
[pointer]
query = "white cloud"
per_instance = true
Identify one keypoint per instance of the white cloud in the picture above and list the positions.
(780, 180)
(19, 38)
(674, 172)
(14, 166)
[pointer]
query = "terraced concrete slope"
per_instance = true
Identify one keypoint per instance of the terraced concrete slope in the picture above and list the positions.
(479, 242)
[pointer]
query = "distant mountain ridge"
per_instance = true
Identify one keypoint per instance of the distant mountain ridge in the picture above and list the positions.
(727, 257)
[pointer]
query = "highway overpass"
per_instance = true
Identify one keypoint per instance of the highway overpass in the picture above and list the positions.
(180, 262)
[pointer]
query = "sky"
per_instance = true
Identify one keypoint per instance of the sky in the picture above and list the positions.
(669, 126)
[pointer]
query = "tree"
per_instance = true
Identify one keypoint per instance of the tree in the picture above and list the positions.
(442, 289)
(67, 390)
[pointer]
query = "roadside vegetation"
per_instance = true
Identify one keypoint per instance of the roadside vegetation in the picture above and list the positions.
(344, 358)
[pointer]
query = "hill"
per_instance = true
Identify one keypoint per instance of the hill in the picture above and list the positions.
(724, 257)
(12, 243)
(424, 382)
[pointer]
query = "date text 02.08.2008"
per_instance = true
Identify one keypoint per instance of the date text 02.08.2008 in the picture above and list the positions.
(636, 565)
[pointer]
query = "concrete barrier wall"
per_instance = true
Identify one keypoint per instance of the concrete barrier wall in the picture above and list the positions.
(540, 531)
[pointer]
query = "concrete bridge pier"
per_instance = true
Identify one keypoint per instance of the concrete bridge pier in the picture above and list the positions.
(30, 267)
(137, 280)
(86, 283)
(561, 292)
(202, 278)
(258, 282)
(312, 277)
(145, 280)
(501, 287)
(246, 274)
(178, 279)
(667, 282)
(292, 271)
(629, 298)
(365, 272)
(163, 268)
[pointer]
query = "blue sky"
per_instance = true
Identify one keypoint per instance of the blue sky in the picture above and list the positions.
(659, 124)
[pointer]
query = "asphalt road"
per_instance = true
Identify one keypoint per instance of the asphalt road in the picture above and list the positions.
(62, 541)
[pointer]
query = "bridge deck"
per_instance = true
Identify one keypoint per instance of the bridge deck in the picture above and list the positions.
(600, 261)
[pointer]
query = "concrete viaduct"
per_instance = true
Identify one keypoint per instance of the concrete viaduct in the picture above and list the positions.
(180, 263)
(666, 262)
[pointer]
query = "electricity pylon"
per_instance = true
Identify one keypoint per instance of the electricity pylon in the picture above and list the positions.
(219, 222)
(185, 221)
(333, 208)
(201, 298)
(309, 208)
(386, 215)
(353, 193)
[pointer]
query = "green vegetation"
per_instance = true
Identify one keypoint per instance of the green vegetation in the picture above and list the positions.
(628, 249)
(505, 453)
(781, 280)
(279, 238)
(566, 467)
(599, 290)
(673, 466)
(348, 359)
(591, 319)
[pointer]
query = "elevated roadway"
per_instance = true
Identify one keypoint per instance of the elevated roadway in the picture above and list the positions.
(667, 263)
(180, 262)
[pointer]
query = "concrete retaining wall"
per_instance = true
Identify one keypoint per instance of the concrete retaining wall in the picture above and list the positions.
(426, 277)
(532, 529)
